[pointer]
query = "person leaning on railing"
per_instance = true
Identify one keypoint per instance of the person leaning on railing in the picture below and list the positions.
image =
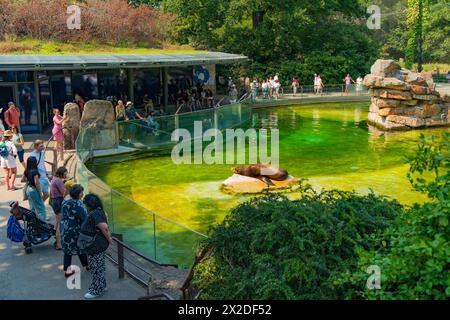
(120, 111)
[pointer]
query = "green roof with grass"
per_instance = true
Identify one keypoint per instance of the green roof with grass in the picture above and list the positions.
(112, 61)
(47, 47)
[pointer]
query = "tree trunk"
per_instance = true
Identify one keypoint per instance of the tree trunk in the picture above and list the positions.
(257, 18)
(419, 54)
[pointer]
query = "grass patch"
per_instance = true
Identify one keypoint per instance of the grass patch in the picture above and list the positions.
(432, 67)
(33, 46)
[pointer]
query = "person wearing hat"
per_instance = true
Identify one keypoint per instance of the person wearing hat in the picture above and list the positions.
(12, 116)
(8, 152)
(131, 112)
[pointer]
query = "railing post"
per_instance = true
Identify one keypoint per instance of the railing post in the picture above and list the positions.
(154, 234)
(120, 257)
(216, 119)
(177, 122)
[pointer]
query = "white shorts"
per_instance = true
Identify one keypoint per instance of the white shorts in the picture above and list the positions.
(9, 163)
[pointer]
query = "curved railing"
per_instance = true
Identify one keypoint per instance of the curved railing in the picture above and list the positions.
(152, 234)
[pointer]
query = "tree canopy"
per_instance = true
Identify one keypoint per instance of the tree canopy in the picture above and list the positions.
(321, 33)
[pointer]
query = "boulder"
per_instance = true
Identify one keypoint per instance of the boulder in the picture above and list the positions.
(372, 81)
(412, 102)
(71, 125)
(100, 112)
(394, 83)
(426, 97)
(381, 123)
(428, 77)
(390, 111)
(416, 89)
(412, 122)
(395, 94)
(386, 103)
(416, 79)
(445, 98)
(98, 117)
(427, 110)
(373, 108)
(385, 68)
(238, 184)
(437, 121)
(403, 99)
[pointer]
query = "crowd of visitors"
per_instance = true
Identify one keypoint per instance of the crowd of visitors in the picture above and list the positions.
(194, 99)
(271, 88)
(75, 218)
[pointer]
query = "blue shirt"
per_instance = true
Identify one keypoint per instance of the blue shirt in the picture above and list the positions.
(131, 113)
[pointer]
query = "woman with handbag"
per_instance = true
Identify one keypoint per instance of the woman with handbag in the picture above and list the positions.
(57, 193)
(95, 238)
(32, 190)
(73, 214)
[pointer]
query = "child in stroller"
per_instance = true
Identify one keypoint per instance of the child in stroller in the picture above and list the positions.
(36, 230)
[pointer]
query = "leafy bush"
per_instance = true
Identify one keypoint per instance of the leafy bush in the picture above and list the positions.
(415, 261)
(113, 21)
(320, 246)
(275, 248)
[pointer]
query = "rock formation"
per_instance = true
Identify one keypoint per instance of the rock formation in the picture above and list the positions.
(98, 117)
(238, 184)
(71, 125)
(403, 100)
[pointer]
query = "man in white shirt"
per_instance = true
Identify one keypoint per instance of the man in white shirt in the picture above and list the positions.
(316, 84)
(8, 159)
(359, 85)
(39, 154)
(319, 85)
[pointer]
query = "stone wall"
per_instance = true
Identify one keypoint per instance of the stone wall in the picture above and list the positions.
(98, 117)
(403, 100)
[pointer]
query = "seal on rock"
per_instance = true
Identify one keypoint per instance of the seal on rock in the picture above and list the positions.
(263, 172)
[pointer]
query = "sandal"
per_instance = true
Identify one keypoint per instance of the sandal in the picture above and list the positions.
(56, 248)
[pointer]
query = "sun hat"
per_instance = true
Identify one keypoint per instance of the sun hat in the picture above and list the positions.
(8, 133)
(69, 184)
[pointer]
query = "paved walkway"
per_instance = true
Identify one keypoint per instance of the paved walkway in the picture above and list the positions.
(39, 276)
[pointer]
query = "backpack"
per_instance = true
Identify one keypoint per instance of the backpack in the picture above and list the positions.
(14, 230)
(4, 151)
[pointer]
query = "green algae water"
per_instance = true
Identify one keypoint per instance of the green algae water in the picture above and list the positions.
(332, 146)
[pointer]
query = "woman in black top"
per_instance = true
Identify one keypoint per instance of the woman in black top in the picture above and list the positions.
(34, 191)
(96, 224)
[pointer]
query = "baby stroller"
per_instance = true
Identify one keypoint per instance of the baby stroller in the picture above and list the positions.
(36, 230)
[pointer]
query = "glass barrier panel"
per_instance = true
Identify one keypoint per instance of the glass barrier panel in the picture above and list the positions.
(175, 244)
(135, 224)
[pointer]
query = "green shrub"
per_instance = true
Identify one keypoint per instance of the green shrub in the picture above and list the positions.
(415, 261)
(275, 248)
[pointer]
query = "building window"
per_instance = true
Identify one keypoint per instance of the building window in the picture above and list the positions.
(113, 83)
(28, 107)
(61, 91)
(85, 84)
(180, 79)
(147, 85)
(25, 76)
(7, 76)
(45, 102)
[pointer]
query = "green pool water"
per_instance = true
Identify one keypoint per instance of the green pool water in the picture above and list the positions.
(331, 146)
